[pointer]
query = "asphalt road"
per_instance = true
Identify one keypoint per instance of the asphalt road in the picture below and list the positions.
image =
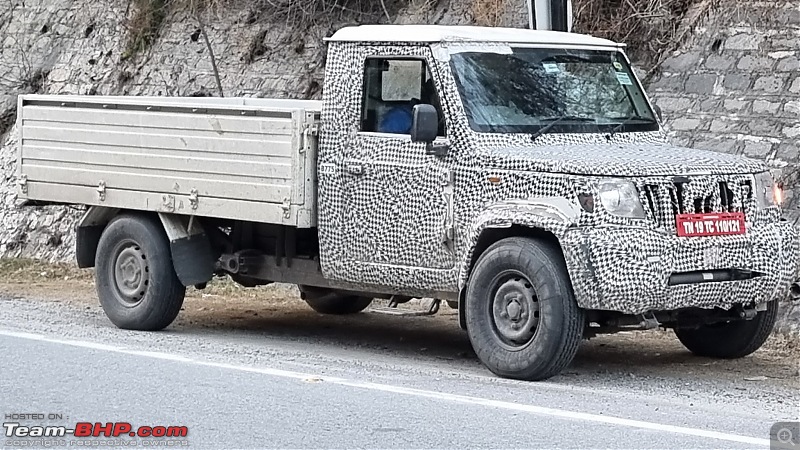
(235, 389)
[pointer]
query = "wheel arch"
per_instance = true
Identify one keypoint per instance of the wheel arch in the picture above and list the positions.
(489, 236)
(546, 219)
(193, 257)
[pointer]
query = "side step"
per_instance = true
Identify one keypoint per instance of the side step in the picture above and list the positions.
(392, 309)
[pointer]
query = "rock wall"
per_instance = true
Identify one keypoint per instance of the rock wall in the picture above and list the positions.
(732, 86)
(79, 47)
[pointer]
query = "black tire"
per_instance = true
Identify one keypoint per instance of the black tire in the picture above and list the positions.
(136, 282)
(549, 325)
(730, 340)
(327, 302)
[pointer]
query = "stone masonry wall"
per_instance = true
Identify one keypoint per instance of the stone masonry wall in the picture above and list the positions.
(734, 87)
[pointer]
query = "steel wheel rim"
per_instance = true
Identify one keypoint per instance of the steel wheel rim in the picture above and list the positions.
(514, 310)
(130, 273)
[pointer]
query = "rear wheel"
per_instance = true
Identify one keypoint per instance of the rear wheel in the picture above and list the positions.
(730, 340)
(325, 301)
(522, 318)
(136, 282)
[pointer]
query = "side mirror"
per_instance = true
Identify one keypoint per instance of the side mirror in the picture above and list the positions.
(658, 113)
(424, 123)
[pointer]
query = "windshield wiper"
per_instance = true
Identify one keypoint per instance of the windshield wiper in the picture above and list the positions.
(625, 122)
(555, 121)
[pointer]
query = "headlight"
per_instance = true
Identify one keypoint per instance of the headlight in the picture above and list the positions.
(621, 198)
(767, 191)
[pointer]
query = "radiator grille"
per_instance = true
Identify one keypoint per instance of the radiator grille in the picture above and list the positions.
(686, 195)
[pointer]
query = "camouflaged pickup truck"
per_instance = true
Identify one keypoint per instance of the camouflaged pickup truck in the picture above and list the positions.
(521, 176)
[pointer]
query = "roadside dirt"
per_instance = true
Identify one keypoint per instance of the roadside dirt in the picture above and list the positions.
(278, 311)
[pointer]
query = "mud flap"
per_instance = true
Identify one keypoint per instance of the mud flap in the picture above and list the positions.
(88, 232)
(462, 310)
(86, 240)
(192, 255)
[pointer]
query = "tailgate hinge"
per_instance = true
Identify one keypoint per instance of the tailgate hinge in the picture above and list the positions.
(309, 129)
(23, 183)
(193, 198)
(287, 208)
(101, 190)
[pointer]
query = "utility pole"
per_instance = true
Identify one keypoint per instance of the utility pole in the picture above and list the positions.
(550, 15)
(531, 16)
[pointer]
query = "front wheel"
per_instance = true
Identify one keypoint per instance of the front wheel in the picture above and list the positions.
(136, 282)
(522, 317)
(730, 340)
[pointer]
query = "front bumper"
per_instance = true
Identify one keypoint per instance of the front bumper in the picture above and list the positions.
(628, 269)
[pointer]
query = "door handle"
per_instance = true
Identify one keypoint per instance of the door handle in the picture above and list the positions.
(355, 168)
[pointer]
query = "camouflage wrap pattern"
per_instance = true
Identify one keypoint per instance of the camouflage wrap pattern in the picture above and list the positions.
(394, 219)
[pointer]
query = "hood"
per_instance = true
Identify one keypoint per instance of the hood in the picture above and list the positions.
(623, 160)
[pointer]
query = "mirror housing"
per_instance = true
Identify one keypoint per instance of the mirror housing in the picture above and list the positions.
(424, 123)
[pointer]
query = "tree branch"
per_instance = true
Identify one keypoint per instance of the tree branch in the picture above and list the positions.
(213, 59)
(386, 11)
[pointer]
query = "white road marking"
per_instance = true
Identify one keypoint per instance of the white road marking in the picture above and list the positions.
(553, 412)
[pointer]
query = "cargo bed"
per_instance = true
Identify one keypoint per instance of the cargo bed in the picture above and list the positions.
(242, 158)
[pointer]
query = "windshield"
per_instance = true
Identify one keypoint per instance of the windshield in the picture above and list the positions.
(572, 91)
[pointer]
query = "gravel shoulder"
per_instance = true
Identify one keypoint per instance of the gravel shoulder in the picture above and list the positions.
(272, 321)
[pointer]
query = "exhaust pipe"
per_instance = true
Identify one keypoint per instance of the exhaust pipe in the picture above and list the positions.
(794, 292)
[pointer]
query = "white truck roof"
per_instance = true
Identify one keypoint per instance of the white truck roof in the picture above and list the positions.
(461, 33)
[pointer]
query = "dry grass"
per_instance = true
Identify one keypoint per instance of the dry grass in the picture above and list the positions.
(194, 7)
(421, 6)
(304, 15)
(487, 13)
(143, 24)
(146, 17)
(31, 271)
(7, 119)
(651, 28)
(22, 276)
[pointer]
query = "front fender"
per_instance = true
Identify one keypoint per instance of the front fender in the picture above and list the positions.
(552, 214)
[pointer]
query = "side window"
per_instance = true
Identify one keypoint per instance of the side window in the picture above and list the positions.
(391, 89)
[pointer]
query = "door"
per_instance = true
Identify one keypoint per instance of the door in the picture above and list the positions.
(397, 205)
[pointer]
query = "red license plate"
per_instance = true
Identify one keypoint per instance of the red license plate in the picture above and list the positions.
(714, 224)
